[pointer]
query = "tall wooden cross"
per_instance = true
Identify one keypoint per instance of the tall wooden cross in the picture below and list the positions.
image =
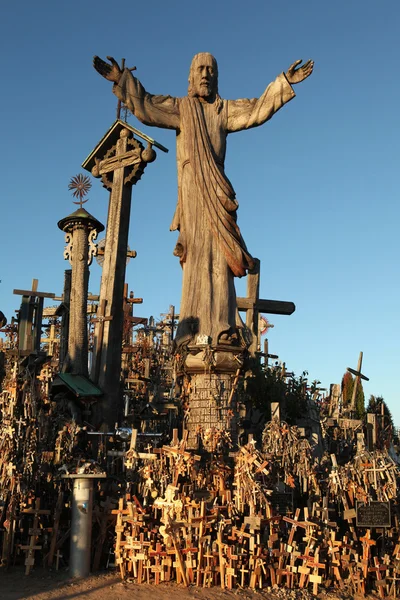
(253, 305)
(34, 533)
(129, 301)
(119, 159)
(171, 320)
(359, 376)
(129, 322)
(30, 319)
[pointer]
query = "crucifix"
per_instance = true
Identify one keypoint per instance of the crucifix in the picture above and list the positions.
(119, 159)
(253, 305)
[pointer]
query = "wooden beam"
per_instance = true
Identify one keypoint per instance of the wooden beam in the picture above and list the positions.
(271, 307)
(33, 293)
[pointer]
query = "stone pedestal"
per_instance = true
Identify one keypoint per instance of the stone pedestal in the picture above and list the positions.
(81, 523)
(212, 415)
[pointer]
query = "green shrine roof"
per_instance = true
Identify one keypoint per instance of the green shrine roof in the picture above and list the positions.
(80, 385)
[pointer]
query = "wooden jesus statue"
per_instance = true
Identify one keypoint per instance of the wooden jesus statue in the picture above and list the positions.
(210, 246)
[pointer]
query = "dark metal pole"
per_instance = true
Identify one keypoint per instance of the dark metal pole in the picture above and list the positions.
(119, 105)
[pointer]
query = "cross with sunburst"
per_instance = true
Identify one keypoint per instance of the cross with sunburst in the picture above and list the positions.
(80, 186)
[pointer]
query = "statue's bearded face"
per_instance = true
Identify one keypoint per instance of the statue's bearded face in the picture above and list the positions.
(203, 76)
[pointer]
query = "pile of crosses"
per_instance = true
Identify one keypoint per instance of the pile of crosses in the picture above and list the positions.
(229, 519)
(37, 445)
(41, 444)
(250, 517)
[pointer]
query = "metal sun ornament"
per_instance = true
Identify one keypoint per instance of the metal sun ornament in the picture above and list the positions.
(80, 186)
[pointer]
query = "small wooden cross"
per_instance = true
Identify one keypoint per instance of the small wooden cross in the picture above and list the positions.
(295, 523)
(157, 569)
(58, 556)
(394, 579)
(243, 571)
(131, 453)
(380, 580)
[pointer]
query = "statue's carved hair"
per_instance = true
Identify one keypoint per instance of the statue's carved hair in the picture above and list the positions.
(218, 102)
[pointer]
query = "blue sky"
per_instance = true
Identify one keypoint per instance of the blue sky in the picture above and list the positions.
(317, 185)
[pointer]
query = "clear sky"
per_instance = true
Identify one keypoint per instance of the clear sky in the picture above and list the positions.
(317, 185)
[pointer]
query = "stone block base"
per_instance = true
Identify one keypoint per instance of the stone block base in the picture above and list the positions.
(211, 420)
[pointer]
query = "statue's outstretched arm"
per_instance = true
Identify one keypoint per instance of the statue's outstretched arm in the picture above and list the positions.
(244, 114)
(157, 111)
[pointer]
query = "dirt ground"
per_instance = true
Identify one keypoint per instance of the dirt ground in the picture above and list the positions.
(45, 585)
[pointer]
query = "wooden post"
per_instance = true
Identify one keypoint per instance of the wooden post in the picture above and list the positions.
(65, 317)
(100, 321)
(371, 431)
(56, 525)
(334, 398)
(253, 291)
(221, 557)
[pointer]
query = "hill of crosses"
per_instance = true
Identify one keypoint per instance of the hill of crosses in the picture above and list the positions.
(180, 450)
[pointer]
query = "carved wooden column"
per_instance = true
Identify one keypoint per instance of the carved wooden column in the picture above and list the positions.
(81, 230)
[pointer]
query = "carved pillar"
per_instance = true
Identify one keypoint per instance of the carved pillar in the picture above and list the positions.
(81, 230)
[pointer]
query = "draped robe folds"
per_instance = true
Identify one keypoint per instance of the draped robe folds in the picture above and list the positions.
(210, 246)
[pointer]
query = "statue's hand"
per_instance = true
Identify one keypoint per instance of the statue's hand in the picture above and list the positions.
(294, 75)
(111, 72)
